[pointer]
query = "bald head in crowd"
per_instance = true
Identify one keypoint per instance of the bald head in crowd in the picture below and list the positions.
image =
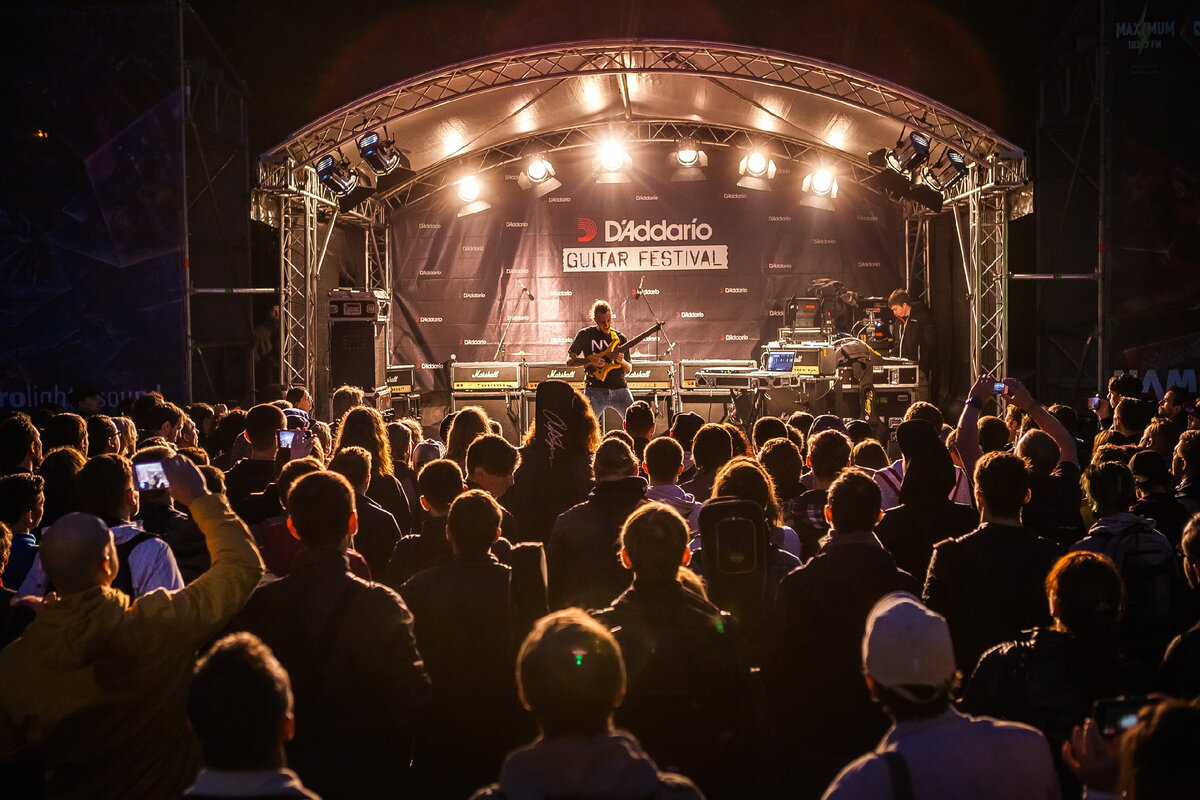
(78, 553)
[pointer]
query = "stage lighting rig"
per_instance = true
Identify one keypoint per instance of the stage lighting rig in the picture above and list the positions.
(613, 164)
(380, 154)
(947, 173)
(819, 189)
(688, 161)
(757, 169)
(909, 153)
(538, 176)
(470, 193)
(335, 175)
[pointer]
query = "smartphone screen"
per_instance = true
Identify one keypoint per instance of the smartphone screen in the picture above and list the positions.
(1117, 715)
(1094, 402)
(150, 476)
(998, 388)
(286, 437)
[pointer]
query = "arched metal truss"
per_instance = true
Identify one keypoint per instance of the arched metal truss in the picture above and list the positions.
(564, 96)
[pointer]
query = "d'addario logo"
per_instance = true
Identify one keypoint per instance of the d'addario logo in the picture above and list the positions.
(516, 271)
(775, 312)
(778, 265)
(425, 226)
(774, 218)
(824, 241)
(430, 366)
(429, 273)
(645, 197)
(561, 293)
(587, 229)
(516, 224)
(736, 337)
(561, 340)
(564, 374)
(430, 319)
(472, 341)
(866, 218)
(473, 295)
(870, 263)
(689, 314)
(518, 317)
(735, 290)
(630, 230)
(560, 199)
(734, 196)
(473, 248)
(485, 373)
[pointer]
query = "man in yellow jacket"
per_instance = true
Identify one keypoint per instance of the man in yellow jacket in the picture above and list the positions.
(96, 687)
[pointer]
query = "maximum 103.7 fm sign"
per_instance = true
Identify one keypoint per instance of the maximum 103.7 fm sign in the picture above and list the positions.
(715, 261)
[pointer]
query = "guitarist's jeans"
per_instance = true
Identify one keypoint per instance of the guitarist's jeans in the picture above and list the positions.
(601, 398)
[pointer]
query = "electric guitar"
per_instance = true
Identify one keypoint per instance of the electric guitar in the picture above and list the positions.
(611, 353)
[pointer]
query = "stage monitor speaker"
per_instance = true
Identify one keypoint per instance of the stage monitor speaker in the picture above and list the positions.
(503, 407)
(357, 354)
(711, 406)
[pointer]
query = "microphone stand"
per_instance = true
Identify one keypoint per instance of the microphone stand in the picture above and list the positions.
(670, 346)
(504, 334)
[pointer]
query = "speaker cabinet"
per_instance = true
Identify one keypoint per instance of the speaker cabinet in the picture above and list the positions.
(357, 353)
(503, 407)
(712, 406)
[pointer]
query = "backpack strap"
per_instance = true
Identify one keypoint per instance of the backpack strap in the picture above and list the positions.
(898, 774)
(124, 579)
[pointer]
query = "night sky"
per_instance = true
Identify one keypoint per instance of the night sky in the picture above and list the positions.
(301, 60)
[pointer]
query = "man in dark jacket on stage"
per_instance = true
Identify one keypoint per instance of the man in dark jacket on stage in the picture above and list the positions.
(824, 711)
(582, 555)
(347, 644)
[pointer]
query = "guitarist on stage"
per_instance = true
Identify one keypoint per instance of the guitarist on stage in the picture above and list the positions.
(598, 346)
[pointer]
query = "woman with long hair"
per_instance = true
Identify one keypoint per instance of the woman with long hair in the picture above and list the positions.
(745, 478)
(362, 426)
(469, 423)
(556, 460)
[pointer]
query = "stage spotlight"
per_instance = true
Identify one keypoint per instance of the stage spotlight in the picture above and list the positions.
(819, 189)
(688, 162)
(469, 191)
(757, 170)
(822, 183)
(909, 154)
(336, 176)
(612, 164)
(946, 173)
(378, 153)
(538, 175)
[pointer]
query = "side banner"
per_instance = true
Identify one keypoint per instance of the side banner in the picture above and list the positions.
(91, 222)
(715, 261)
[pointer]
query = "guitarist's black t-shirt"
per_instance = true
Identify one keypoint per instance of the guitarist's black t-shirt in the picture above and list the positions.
(590, 341)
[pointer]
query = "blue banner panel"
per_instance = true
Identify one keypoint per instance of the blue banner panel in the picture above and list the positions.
(91, 268)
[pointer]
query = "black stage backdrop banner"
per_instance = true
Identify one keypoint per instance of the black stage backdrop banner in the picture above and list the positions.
(716, 262)
(1154, 287)
(90, 219)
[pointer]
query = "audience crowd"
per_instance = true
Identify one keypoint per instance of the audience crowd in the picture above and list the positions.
(210, 602)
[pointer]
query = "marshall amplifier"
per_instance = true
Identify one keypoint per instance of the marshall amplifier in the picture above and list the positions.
(649, 375)
(688, 369)
(353, 304)
(895, 372)
(400, 379)
(405, 402)
(538, 371)
(484, 376)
